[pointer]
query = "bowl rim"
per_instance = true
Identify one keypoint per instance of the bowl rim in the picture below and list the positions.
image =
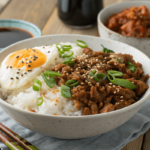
(38, 30)
(113, 32)
(125, 109)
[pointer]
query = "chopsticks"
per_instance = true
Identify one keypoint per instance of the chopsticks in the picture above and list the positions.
(11, 144)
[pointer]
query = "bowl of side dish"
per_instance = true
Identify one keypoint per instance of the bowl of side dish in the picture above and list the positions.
(43, 115)
(141, 42)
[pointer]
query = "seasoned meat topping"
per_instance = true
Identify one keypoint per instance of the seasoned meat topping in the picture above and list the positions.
(100, 96)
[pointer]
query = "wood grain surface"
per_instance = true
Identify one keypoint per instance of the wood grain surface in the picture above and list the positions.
(146, 141)
(44, 14)
(35, 11)
(55, 26)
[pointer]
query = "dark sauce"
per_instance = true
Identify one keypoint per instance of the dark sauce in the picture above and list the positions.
(9, 36)
(79, 12)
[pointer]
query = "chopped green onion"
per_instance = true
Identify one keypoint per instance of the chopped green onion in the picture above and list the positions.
(52, 73)
(121, 82)
(69, 61)
(71, 83)
(81, 43)
(49, 80)
(92, 73)
(99, 77)
(35, 87)
(118, 60)
(60, 50)
(106, 50)
(115, 73)
(65, 91)
(39, 101)
(131, 67)
(130, 64)
(66, 47)
(69, 54)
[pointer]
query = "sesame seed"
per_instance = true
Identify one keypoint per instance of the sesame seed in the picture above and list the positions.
(29, 65)
(17, 72)
(34, 59)
(18, 69)
(25, 73)
(17, 56)
(30, 61)
(22, 75)
(7, 67)
(29, 70)
(10, 66)
(22, 62)
(114, 92)
(17, 78)
(48, 51)
(26, 58)
(114, 86)
(11, 78)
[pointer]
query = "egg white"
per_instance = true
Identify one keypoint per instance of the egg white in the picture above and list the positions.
(6, 74)
(53, 58)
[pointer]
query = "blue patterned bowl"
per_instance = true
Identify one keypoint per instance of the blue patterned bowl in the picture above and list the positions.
(21, 24)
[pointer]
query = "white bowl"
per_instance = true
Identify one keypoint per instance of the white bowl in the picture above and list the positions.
(142, 44)
(75, 127)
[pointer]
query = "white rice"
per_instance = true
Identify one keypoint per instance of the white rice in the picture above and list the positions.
(53, 104)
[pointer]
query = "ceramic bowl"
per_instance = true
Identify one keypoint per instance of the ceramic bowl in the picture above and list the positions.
(142, 44)
(75, 127)
(21, 24)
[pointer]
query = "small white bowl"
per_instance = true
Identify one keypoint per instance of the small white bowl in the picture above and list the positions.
(75, 127)
(142, 44)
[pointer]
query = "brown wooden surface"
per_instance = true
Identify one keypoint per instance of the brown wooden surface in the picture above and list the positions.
(35, 11)
(146, 141)
(43, 13)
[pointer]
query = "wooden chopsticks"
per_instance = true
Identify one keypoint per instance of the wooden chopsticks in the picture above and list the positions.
(11, 144)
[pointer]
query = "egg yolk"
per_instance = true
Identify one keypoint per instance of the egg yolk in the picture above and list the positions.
(30, 58)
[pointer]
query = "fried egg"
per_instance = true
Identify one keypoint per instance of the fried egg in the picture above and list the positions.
(23, 66)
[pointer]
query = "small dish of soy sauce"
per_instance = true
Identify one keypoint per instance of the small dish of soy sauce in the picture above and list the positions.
(12, 31)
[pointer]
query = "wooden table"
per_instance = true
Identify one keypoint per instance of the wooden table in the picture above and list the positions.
(43, 13)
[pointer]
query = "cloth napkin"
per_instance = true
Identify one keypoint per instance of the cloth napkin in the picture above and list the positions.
(113, 140)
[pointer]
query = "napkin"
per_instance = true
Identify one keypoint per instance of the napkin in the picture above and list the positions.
(113, 140)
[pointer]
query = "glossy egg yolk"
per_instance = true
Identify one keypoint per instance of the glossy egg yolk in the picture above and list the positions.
(30, 58)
